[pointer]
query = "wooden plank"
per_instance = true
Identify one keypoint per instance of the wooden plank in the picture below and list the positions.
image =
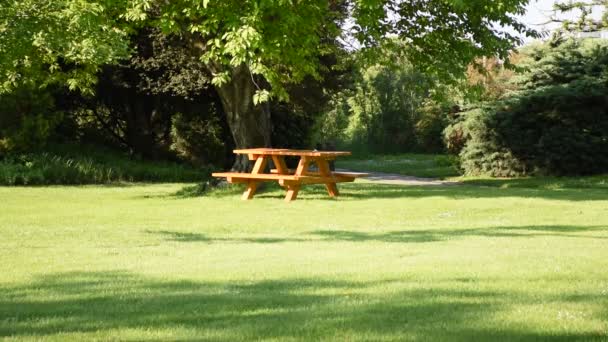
(261, 176)
(293, 189)
(292, 192)
(317, 180)
(252, 185)
(302, 168)
(260, 164)
(281, 167)
(324, 170)
(336, 174)
(312, 178)
(288, 152)
(279, 163)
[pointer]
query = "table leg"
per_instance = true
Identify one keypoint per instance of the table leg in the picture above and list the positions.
(292, 192)
(279, 163)
(293, 189)
(252, 185)
(325, 171)
(281, 166)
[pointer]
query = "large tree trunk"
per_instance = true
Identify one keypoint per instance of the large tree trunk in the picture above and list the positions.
(250, 124)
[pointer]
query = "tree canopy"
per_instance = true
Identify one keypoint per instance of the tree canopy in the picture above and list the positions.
(59, 41)
(279, 41)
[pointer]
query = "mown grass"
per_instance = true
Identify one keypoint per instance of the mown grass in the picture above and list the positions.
(382, 262)
(65, 164)
(418, 165)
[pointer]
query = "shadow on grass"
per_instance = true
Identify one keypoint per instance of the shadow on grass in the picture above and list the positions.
(120, 305)
(401, 236)
(365, 191)
(432, 235)
(199, 237)
(370, 191)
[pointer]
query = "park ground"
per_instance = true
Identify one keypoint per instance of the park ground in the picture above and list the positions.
(490, 259)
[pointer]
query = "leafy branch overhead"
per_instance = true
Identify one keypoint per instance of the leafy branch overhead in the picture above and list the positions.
(280, 42)
(59, 41)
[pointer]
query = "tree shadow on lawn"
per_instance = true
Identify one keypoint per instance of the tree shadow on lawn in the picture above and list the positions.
(401, 236)
(366, 191)
(432, 235)
(199, 237)
(115, 303)
(369, 191)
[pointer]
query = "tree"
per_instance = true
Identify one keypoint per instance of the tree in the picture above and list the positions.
(254, 48)
(555, 122)
(59, 41)
(586, 21)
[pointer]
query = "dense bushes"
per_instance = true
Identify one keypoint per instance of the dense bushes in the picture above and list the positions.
(387, 109)
(198, 138)
(27, 119)
(557, 123)
(88, 165)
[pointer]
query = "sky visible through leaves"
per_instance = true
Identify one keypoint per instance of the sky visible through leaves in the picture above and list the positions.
(539, 13)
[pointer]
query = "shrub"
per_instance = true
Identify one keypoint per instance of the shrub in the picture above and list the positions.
(198, 139)
(27, 119)
(87, 165)
(557, 123)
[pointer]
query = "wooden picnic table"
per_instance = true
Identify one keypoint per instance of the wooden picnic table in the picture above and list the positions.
(290, 179)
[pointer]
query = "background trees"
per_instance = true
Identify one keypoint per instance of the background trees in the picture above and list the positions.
(188, 81)
(556, 121)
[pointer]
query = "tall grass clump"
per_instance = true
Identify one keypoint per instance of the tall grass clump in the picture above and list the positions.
(88, 165)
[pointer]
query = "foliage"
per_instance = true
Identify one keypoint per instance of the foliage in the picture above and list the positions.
(557, 122)
(136, 102)
(59, 41)
(489, 79)
(416, 165)
(586, 21)
(198, 139)
(88, 165)
(389, 109)
(281, 41)
(27, 119)
(275, 45)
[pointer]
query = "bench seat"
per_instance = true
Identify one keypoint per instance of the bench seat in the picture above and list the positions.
(312, 178)
(335, 173)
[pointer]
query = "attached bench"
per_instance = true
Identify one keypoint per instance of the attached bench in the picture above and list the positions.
(290, 178)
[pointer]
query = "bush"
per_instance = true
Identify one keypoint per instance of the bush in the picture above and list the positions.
(387, 110)
(87, 165)
(27, 119)
(556, 124)
(198, 139)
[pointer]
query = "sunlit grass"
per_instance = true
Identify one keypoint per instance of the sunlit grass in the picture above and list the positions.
(418, 165)
(382, 262)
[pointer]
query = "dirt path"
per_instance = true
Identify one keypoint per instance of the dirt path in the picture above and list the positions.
(397, 179)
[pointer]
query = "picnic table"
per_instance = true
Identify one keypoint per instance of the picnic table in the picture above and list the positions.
(290, 179)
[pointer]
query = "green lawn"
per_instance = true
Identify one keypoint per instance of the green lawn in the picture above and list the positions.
(419, 165)
(153, 262)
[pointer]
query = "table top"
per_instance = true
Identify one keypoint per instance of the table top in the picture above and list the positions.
(288, 152)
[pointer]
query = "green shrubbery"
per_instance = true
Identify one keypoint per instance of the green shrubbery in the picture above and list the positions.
(198, 139)
(87, 165)
(556, 123)
(27, 119)
(389, 108)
